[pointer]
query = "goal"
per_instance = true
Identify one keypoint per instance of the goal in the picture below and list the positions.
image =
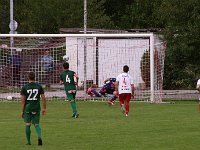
(95, 57)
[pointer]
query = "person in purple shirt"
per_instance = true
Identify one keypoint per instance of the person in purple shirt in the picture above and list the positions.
(15, 62)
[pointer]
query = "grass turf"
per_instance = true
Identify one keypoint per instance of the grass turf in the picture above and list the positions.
(99, 127)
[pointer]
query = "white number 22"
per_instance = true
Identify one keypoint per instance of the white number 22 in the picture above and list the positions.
(30, 96)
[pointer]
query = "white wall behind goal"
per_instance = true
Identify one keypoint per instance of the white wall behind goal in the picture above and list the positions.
(106, 57)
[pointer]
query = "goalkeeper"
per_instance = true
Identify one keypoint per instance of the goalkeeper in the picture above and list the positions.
(108, 88)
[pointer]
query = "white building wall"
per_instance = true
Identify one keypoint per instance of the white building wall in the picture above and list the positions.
(113, 55)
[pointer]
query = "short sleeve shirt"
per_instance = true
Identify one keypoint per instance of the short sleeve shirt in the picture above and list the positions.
(67, 77)
(198, 82)
(32, 92)
(125, 81)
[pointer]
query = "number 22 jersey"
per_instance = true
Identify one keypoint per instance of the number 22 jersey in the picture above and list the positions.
(32, 92)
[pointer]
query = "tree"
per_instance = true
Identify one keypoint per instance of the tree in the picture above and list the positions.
(4, 16)
(48, 16)
(145, 68)
(182, 35)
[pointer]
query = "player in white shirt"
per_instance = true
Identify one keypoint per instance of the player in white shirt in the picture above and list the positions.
(198, 85)
(198, 89)
(125, 87)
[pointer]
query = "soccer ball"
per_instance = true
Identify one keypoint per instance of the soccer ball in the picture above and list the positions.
(9, 97)
(65, 58)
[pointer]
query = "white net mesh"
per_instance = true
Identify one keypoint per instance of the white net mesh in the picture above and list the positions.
(41, 55)
(105, 58)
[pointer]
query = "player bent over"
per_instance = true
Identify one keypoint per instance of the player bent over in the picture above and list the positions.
(30, 105)
(108, 88)
(67, 78)
(124, 85)
(92, 91)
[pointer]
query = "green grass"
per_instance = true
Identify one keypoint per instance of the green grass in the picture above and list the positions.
(99, 127)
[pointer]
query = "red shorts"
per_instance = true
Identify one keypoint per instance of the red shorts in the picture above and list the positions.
(125, 97)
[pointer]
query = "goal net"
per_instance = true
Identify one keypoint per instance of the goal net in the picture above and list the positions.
(94, 57)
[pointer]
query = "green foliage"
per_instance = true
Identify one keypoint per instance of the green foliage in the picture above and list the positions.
(4, 16)
(145, 68)
(178, 19)
(48, 16)
(182, 35)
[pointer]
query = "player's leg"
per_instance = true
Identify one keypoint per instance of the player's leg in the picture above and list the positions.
(36, 122)
(114, 97)
(127, 101)
(14, 75)
(95, 93)
(27, 120)
(121, 102)
(103, 90)
(48, 74)
(89, 92)
(71, 98)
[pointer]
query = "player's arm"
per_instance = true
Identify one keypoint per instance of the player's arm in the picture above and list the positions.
(22, 105)
(106, 80)
(76, 78)
(116, 86)
(61, 80)
(43, 104)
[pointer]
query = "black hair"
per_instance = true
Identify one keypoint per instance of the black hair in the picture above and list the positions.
(66, 65)
(31, 76)
(126, 68)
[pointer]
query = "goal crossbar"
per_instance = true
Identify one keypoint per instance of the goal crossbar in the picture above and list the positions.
(121, 35)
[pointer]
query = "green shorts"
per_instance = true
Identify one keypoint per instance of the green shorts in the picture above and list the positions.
(71, 94)
(30, 117)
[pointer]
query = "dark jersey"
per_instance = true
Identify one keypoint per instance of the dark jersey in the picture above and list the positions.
(32, 92)
(110, 85)
(67, 77)
(15, 60)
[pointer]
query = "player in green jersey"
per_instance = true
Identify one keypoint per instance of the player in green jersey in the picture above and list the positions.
(70, 79)
(30, 105)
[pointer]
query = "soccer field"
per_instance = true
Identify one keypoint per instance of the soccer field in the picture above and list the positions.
(99, 127)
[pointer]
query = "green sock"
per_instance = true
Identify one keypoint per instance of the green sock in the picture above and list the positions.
(73, 106)
(38, 131)
(28, 134)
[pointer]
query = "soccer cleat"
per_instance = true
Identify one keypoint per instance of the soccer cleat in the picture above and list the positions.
(28, 144)
(40, 142)
(113, 102)
(76, 116)
(73, 115)
(110, 103)
(123, 109)
(126, 115)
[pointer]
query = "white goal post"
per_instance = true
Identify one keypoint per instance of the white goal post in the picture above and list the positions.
(94, 57)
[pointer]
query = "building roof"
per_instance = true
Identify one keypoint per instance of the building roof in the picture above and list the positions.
(97, 31)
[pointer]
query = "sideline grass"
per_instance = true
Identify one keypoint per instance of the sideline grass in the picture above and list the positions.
(99, 127)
